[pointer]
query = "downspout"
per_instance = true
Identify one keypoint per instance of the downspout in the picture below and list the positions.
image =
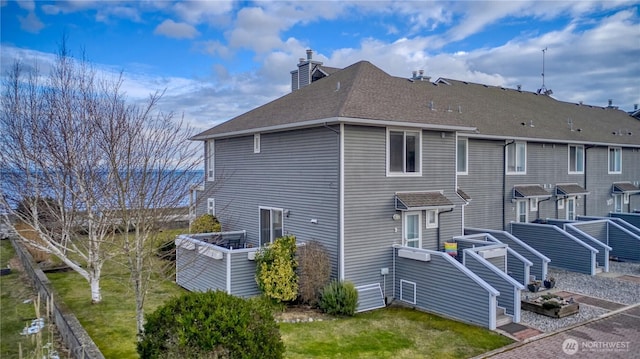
(438, 232)
(538, 214)
(504, 183)
(340, 219)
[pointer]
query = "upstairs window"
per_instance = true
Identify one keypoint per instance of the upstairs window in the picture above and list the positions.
(516, 158)
(211, 206)
(576, 159)
(462, 155)
(256, 143)
(403, 152)
(615, 160)
(211, 163)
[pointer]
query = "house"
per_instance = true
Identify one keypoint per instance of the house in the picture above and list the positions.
(383, 170)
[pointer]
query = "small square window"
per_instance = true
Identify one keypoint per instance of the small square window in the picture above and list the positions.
(432, 218)
(561, 203)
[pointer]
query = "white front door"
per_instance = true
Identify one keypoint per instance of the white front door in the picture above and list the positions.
(571, 208)
(522, 215)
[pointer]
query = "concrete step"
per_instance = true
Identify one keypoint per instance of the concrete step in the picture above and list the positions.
(598, 269)
(503, 320)
(499, 311)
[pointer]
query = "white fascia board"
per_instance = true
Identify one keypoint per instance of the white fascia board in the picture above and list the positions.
(547, 140)
(331, 121)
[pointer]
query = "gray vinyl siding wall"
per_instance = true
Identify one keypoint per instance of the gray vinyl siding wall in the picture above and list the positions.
(539, 262)
(516, 268)
(295, 170)
(564, 250)
(631, 218)
(600, 182)
(443, 287)
(369, 230)
(196, 272)
(625, 243)
(483, 184)
(508, 294)
(602, 257)
(243, 273)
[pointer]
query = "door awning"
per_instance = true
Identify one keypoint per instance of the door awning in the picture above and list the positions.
(625, 187)
(464, 195)
(530, 191)
(415, 201)
(570, 189)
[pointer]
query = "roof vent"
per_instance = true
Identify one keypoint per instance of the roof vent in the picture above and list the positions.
(309, 54)
(432, 107)
(519, 87)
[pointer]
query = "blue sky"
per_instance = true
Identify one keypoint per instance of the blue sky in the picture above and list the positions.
(218, 59)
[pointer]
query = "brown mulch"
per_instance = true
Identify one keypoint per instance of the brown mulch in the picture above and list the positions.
(300, 313)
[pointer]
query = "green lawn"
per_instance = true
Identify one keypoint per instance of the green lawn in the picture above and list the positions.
(388, 333)
(14, 312)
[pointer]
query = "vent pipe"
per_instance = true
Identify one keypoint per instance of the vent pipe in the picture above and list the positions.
(309, 54)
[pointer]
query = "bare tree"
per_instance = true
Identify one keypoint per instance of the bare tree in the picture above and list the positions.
(51, 166)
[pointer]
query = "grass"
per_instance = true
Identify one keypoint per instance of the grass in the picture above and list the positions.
(387, 333)
(112, 322)
(14, 312)
(393, 332)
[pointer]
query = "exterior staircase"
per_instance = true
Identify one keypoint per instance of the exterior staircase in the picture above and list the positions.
(502, 318)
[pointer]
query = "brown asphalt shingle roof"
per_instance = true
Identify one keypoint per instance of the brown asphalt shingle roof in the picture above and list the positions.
(366, 92)
(622, 187)
(569, 189)
(421, 200)
(528, 191)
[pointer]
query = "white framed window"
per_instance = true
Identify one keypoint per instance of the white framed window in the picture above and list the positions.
(256, 143)
(462, 156)
(571, 208)
(271, 224)
(432, 218)
(522, 215)
(576, 159)
(533, 204)
(561, 203)
(403, 153)
(615, 160)
(617, 202)
(516, 158)
(211, 206)
(412, 230)
(211, 160)
(625, 198)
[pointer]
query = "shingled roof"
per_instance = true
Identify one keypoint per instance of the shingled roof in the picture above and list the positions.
(363, 93)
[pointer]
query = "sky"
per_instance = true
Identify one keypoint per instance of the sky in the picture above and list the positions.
(219, 59)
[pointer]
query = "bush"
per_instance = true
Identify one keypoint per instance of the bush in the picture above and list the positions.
(339, 298)
(276, 269)
(211, 325)
(207, 223)
(314, 272)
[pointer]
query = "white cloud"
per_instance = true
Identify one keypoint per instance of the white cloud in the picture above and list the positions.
(30, 23)
(195, 12)
(28, 5)
(256, 30)
(176, 30)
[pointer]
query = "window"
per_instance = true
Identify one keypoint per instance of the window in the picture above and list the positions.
(533, 204)
(561, 203)
(256, 143)
(615, 160)
(270, 225)
(517, 158)
(617, 203)
(211, 168)
(432, 218)
(571, 208)
(412, 229)
(576, 159)
(522, 215)
(462, 155)
(625, 198)
(211, 206)
(403, 152)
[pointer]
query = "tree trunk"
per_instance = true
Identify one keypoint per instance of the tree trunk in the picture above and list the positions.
(96, 294)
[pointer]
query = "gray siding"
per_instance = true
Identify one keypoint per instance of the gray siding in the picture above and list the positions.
(446, 287)
(625, 243)
(243, 271)
(518, 268)
(295, 170)
(564, 250)
(369, 230)
(509, 289)
(483, 184)
(539, 261)
(196, 272)
(602, 257)
(631, 218)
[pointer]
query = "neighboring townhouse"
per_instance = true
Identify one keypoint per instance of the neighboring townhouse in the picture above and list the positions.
(367, 164)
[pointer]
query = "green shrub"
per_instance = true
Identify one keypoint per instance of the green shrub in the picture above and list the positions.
(339, 298)
(207, 223)
(314, 271)
(276, 269)
(211, 325)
